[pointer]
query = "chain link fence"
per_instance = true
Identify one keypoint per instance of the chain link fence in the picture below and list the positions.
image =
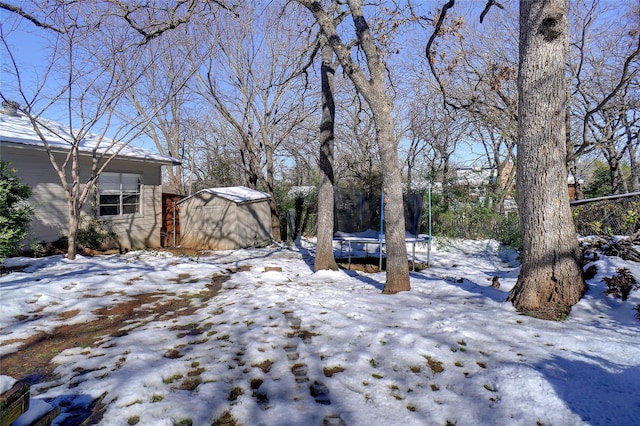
(613, 215)
(478, 223)
(617, 215)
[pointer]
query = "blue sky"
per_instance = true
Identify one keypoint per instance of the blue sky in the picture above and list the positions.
(30, 48)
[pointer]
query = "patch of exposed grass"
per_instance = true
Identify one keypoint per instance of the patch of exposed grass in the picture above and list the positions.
(132, 280)
(171, 379)
(173, 354)
(265, 366)
(330, 371)
(218, 311)
(195, 372)
(235, 393)
(181, 277)
(225, 420)
(434, 365)
(190, 383)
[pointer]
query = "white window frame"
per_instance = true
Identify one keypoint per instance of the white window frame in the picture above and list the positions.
(121, 188)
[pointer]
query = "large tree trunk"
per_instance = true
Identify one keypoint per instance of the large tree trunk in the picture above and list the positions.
(394, 224)
(551, 280)
(324, 249)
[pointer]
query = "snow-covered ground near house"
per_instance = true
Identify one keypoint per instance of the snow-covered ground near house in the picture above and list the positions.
(282, 345)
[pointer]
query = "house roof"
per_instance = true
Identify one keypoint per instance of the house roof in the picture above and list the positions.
(237, 194)
(17, 129)
(474, 176)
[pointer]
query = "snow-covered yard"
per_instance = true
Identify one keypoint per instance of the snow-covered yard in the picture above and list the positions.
(254, 337)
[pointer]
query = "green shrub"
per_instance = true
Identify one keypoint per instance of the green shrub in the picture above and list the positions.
(93, 233)
(15, 213)
(474, 221)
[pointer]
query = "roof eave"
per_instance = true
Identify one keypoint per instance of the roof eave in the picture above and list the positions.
(162, 162)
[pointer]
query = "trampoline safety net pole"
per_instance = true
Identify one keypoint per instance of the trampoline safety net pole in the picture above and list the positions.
(429, 209)
(381, 236)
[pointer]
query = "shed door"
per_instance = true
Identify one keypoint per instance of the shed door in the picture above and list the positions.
(167, 229)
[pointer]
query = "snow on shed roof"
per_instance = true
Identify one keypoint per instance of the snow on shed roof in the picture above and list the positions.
(18, 129)
(237, 194)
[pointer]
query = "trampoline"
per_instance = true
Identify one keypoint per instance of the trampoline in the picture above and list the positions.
(357, 214)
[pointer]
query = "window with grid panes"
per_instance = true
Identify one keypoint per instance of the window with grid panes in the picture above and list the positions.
(119, 193)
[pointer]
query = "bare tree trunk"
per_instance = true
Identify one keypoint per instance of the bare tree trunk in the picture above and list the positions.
(634, 184)
(551, 280)
(324, 249)
(275, 220)
(371, 84)
(632, 149)
(394, 224)
(275, 216)
(72, 236)
(618, 183)
(73, 203)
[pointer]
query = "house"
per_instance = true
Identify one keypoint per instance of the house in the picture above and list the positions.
(127, 196)
(225, 219)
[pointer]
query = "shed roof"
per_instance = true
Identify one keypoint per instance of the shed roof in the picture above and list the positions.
(17, 129)
(237, 194)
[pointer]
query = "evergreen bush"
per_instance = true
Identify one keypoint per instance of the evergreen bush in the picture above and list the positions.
(15, 213)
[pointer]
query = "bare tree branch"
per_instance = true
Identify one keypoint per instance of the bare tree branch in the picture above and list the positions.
(28, 16)
(428, 50)
(487, 7)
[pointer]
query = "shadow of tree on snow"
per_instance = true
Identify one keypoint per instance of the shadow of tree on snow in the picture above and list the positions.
(599, 395)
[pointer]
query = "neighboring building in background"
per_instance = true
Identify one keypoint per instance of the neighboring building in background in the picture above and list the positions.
(127, 196)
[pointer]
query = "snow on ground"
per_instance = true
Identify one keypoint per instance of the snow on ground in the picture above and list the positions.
(292, 347)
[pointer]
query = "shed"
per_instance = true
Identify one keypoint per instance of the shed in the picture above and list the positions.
(225, 219)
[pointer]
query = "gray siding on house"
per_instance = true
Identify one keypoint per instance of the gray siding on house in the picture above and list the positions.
(48, 199)
(33, 168)
(141, 230)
